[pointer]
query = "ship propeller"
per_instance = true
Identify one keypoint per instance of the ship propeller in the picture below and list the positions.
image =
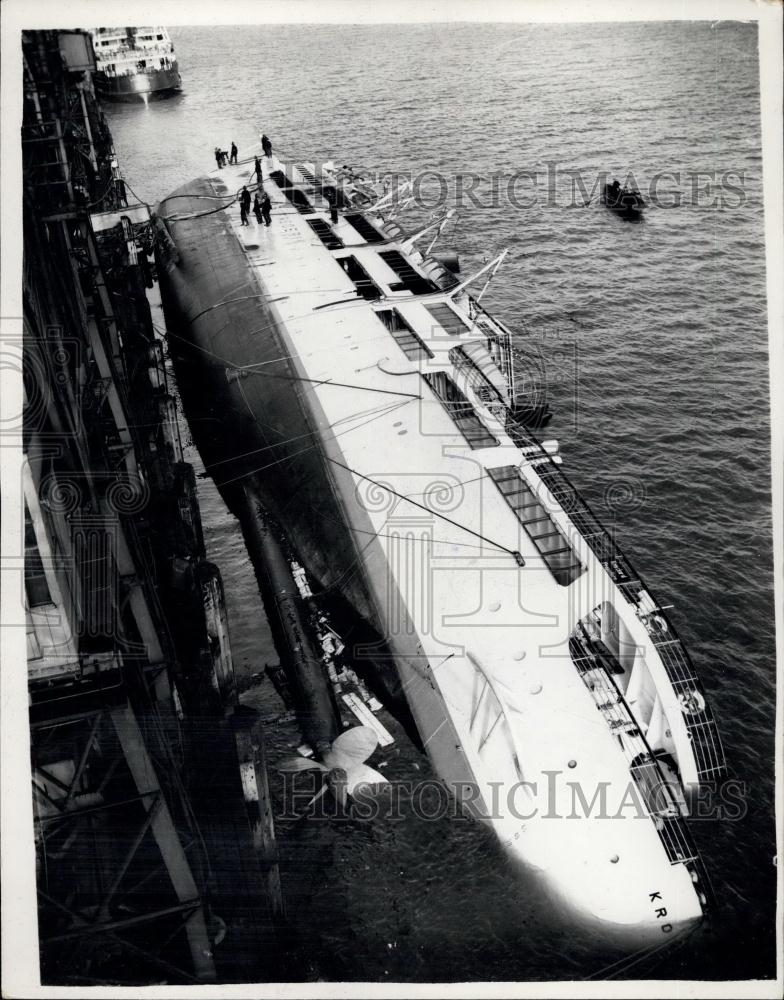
(344, 764)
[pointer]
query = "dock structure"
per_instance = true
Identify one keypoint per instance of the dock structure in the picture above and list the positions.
(140, 873)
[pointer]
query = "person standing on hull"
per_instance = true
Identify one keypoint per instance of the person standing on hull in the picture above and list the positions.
(266, 209)
(219, 157)
(257, 208)
(244, 205)
(266, 145)
(257, 169)
(333, 208)
(233, 157)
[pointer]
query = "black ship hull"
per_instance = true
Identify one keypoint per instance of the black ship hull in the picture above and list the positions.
(138, 86)
(260, 431)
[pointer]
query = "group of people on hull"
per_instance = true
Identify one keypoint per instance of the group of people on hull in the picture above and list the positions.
(262, 207)
(223, 157)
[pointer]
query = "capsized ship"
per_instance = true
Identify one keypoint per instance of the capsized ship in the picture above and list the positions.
(134, 63)
(356, 386)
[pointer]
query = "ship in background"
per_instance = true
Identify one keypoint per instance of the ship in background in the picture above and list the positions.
(135, 63)
(347, 382)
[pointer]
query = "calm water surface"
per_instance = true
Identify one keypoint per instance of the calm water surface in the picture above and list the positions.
(653, 342)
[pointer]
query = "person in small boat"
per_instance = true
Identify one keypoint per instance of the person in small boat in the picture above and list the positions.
(613, 193)
(266, 208)
(266, 145)
(257, 208)
(233, 157)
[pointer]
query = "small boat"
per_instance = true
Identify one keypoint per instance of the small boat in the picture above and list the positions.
(624, 201)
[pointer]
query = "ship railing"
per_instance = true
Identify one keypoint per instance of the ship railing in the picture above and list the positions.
(502, 336)
(680, 849)
(590, 663)
(700, 724)
(486, 392)
(664, 809)
(489, 324)
(492, 327)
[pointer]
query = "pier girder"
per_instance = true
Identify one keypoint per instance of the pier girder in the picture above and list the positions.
(117, 850)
